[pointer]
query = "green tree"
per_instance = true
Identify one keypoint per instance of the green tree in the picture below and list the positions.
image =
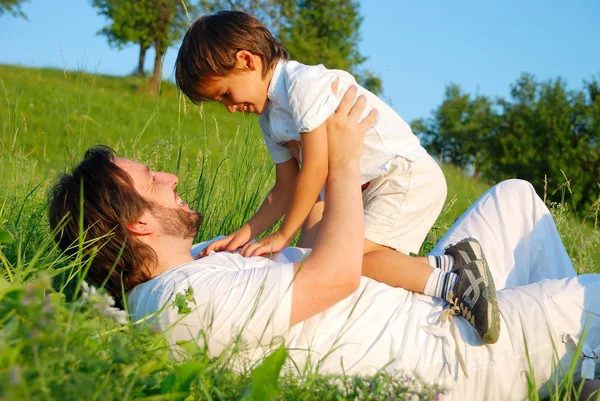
(548, 136)
(13, 7)
(326, 32)
(157, 23)
(129, 22)
(171, 21)
(543, 133)
(458, 129)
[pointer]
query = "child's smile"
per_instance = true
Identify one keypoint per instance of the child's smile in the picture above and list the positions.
(244, 88)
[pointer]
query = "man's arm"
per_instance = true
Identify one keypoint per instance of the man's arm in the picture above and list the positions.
(333, 270)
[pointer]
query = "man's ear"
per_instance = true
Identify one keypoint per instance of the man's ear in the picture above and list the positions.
(245, 60)
(144, 225)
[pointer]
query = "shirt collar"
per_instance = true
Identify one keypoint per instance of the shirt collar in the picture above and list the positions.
(275, 79)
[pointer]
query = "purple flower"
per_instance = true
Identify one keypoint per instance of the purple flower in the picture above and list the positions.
(15, 375)
(47, 306)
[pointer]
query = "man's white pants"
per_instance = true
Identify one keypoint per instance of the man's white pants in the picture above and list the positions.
(546, 309)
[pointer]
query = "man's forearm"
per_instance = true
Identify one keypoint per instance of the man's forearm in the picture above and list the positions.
(333, 270)
(341, 238)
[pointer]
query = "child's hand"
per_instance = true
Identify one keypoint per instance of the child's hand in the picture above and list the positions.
(273, 243)
(230, 243)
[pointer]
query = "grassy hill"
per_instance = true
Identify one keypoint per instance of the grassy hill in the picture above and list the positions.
(48, 118)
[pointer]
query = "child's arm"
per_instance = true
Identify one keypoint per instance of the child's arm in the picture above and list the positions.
(271, 210)
(310, 180)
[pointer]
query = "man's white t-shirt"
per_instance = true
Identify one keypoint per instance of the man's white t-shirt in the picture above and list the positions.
(301, 99)
(232, 295)
(376, 326)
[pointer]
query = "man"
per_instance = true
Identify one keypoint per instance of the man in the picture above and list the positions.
(328, 316)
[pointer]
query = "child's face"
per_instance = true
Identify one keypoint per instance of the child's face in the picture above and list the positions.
(244, 88)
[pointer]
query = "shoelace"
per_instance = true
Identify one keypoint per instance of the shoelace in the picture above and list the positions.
(448, 315)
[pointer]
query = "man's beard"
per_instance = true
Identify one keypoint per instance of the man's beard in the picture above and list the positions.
(177, 222)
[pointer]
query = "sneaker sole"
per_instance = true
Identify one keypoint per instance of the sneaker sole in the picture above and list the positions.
(493, 332)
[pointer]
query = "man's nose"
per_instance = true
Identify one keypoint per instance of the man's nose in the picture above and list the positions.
(232, 108)
(170, 179)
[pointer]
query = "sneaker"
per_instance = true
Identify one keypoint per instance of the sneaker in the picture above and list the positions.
(474, 298)
(465, 251)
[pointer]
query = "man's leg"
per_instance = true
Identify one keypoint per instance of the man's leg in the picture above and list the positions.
(542, 323)
(517, 234)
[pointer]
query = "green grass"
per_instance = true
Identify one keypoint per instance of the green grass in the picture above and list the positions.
(55, 344)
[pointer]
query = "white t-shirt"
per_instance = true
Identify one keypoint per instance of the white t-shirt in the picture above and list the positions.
(376, 326)
(301, 99)
(232, 295)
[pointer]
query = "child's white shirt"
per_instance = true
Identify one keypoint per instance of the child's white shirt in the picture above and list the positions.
(301, 99)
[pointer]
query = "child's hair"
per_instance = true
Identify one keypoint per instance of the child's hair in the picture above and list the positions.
(210, 45)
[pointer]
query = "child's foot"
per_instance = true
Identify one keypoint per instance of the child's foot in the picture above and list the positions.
(474, 298)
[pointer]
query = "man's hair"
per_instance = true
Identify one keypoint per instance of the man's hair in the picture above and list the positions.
(210, 46)
(102, 197)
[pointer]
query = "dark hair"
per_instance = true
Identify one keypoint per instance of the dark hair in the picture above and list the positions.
(210, 45)
(110, 202)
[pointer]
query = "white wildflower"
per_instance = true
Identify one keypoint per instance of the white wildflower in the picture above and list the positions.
(102, 303)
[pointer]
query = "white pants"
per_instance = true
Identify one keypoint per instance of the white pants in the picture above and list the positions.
(402, 205)
(542, 302)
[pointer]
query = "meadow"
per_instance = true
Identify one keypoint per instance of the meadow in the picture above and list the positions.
(60, 339)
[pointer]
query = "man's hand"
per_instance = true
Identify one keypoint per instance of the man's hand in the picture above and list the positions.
(273, 243)
(345, 135)
(230, 243)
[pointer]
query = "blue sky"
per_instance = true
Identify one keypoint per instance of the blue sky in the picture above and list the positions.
(417, 47)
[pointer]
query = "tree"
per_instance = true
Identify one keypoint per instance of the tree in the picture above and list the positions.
(13, 7)
(168, 26)
(545, 138)
(322, 32)
(543, 133)
(157, 23)
(130, 22)
(458, 129)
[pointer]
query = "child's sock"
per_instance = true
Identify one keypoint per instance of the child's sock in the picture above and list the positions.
(440, 283)
(445, 262)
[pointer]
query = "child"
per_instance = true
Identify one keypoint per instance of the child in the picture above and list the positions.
(232, 58)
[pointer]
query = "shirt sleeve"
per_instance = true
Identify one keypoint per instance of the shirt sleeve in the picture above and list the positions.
(310, 97)
(278, 151)
(251, 305)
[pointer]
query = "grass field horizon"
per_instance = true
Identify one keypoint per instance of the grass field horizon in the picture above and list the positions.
(49, 118)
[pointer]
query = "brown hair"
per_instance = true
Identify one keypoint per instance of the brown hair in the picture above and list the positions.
(210, 45)
(110, 202)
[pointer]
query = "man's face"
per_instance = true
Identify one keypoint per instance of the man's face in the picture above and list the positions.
(173, 214)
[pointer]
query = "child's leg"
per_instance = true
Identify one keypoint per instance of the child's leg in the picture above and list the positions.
(395, 268)
(311, 226)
